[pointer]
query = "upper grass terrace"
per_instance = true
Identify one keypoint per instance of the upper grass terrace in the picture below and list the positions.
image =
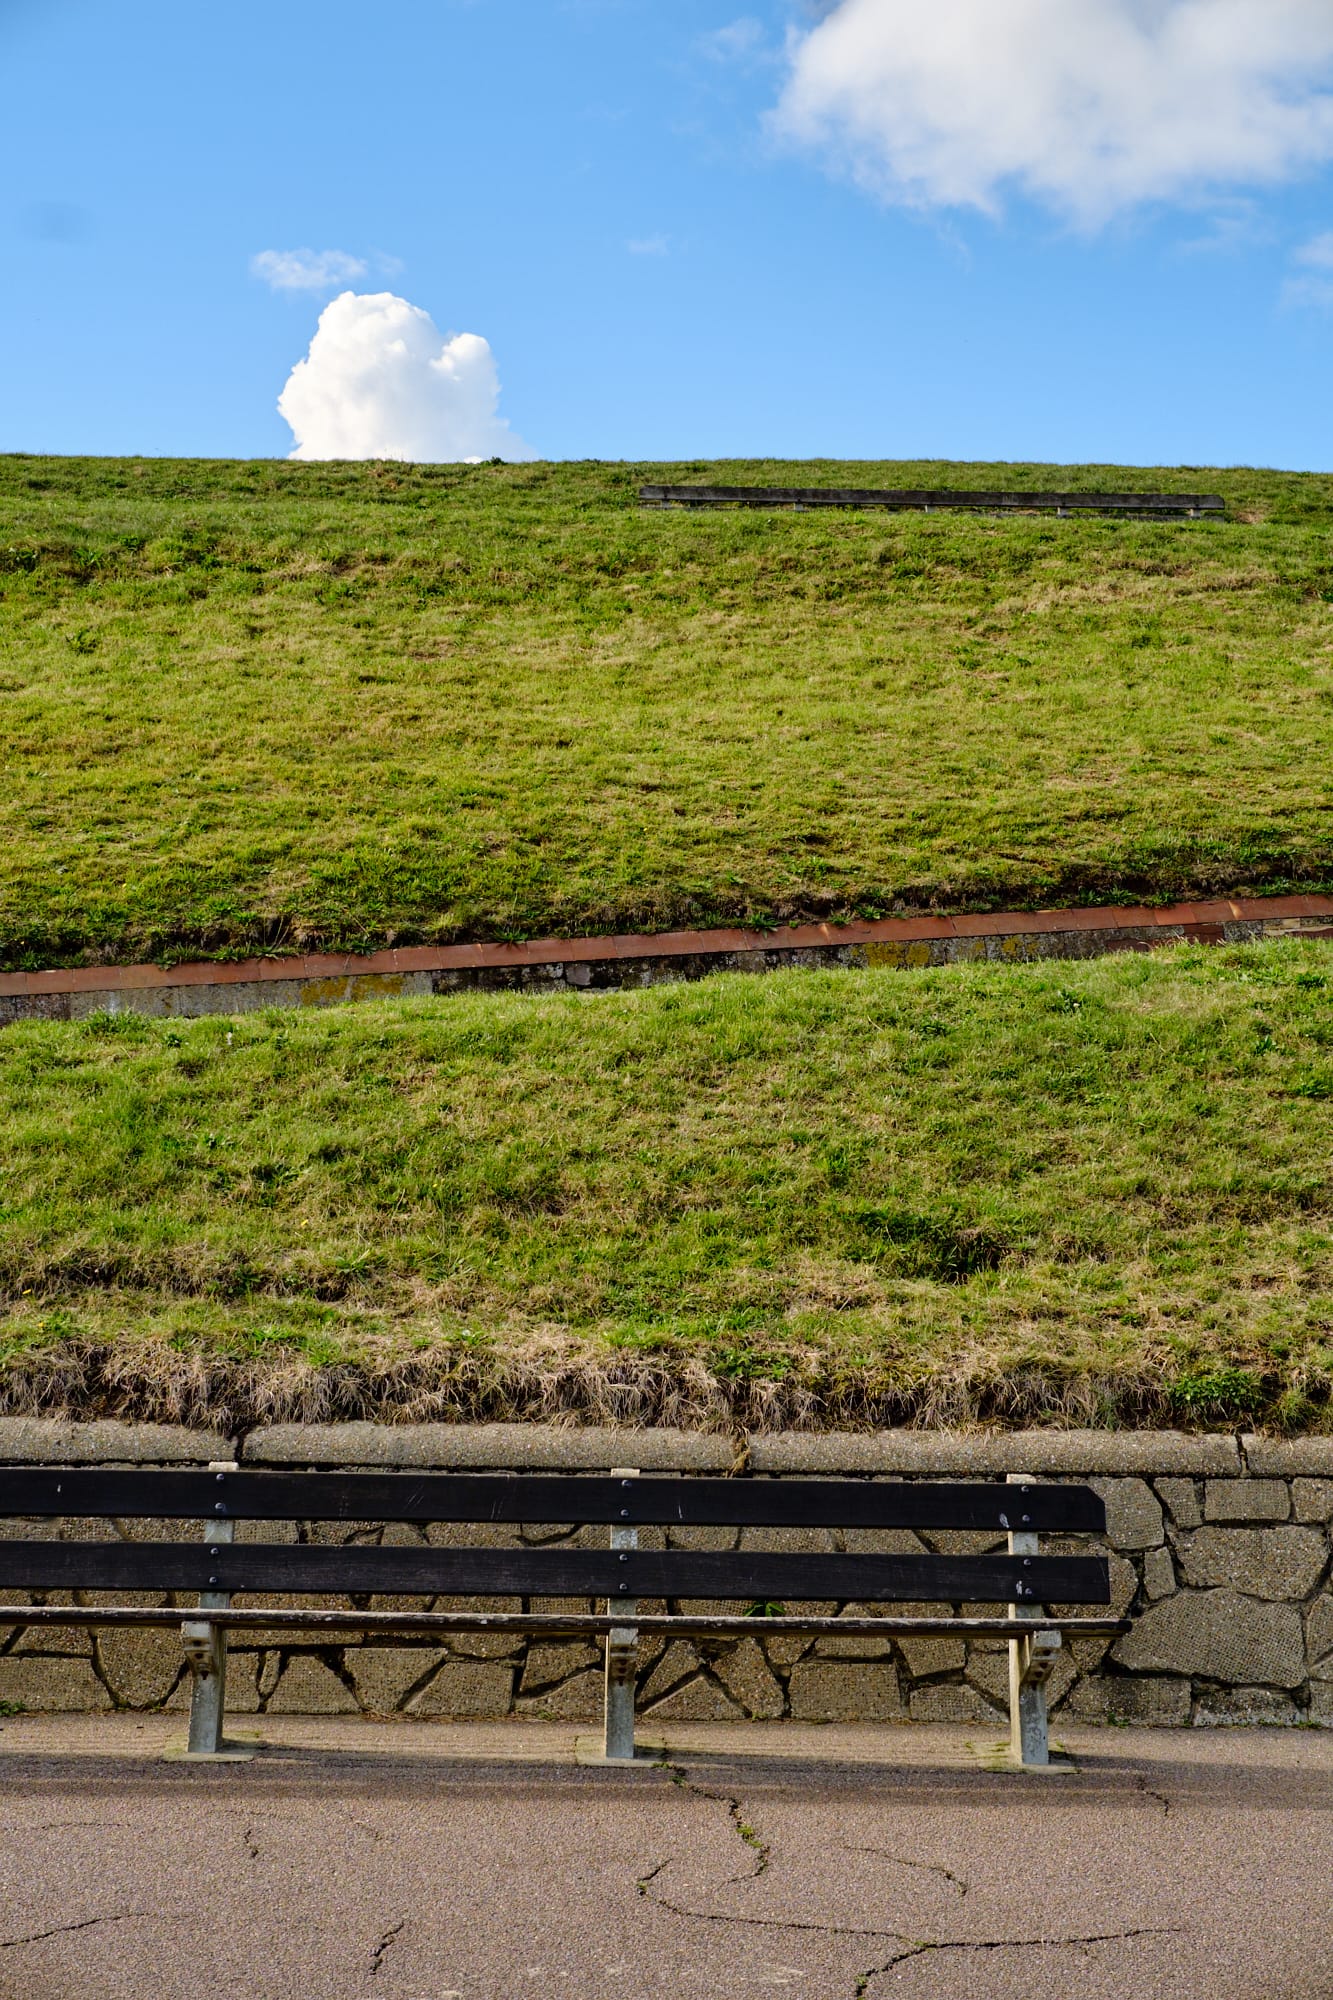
(255, 705)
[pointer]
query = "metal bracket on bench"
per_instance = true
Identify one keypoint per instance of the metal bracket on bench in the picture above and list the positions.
(622, 1653)
(206, 1650)
(1030, 1664)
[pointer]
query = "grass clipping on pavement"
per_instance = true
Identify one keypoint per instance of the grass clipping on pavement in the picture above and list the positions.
(252, 706)
(1093, 1192)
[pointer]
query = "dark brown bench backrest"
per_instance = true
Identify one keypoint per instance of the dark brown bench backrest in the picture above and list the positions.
(560, 1571)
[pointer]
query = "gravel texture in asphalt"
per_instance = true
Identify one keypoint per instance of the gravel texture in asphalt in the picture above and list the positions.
(356, 1861)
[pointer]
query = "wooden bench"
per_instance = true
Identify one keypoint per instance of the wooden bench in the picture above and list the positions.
(219, 1567)
(924, 500)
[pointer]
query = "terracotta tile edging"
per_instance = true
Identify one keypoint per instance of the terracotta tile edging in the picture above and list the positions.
(400, 960)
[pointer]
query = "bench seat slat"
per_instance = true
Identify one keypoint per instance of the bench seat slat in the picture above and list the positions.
(553, 1572)
(988, 1505)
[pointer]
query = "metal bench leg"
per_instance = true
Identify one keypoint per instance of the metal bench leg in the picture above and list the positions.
(622, 1654)
(206, 1650)
(1030, 1663)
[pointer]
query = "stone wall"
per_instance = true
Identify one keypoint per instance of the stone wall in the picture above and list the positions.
(324, 979)
(1219, 1549)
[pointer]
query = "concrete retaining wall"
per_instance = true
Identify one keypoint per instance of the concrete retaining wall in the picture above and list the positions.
(1219, 1549)
(591, 964)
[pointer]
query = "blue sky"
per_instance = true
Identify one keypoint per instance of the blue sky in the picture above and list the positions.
(861, 229)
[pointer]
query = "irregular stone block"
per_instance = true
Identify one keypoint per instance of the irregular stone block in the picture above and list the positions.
(789, 1541)
(383, 1675)
(844, 1691)
(680, 1660)
(1233, 1708)
(988, 1669)
(1280, 1563)
(1312, 1499)
(1154, 1700)
(1182, 1499)
(1133, 1513)
(1246, 1500)
(487, 1645)
(1219, 1634)
(962, 1541)
(983, 1454)
(476, 1447)
(546, 1664)
(1319, 1637)
(932, 1656)
(852, 1648)
(51, 1441)
(784, 1649)
(699, 1700)
(467, 1687)
(748, 1679)
(1321, 1704)
(953, 1701)
(1283, 1458)
(1159, 1573)
(309, 1687)
(78, 1644)
(141, 1668)
(51, 1686)
(704, 1535)
(579, 1699)
(882, 1542)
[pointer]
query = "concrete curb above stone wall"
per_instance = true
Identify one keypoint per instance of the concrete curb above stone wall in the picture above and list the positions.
(1219, 1548)
(327, 979)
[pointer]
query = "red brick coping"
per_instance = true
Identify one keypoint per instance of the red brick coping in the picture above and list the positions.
(324, 977)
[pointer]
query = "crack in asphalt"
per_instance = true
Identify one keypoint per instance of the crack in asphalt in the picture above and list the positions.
(902, 1861)
(1149, 1792)
(761, 1848)
(921, 1947)
(377, 1956)
(59, 1930)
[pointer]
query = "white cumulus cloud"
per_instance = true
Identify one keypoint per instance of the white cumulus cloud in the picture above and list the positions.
(381, 381)
(306, 270)
(1090, 106)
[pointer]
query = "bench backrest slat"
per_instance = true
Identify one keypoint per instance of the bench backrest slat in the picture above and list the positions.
(108, 1493)
(759, 1574)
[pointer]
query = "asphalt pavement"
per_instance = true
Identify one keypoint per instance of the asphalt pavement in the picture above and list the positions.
(440, 1861)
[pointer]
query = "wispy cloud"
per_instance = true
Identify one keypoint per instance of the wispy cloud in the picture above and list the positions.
(1312, 283)
(1088, 106)
(307, 270)
(648, 246)
(740, 41)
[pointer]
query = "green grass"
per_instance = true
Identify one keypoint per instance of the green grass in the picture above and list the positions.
(1096, 1190)
(259, 705)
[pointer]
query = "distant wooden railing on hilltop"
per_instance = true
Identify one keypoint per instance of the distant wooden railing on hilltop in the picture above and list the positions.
(922, 500)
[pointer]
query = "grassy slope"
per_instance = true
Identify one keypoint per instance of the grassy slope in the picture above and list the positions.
(1090, 1190)
(267, 703)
